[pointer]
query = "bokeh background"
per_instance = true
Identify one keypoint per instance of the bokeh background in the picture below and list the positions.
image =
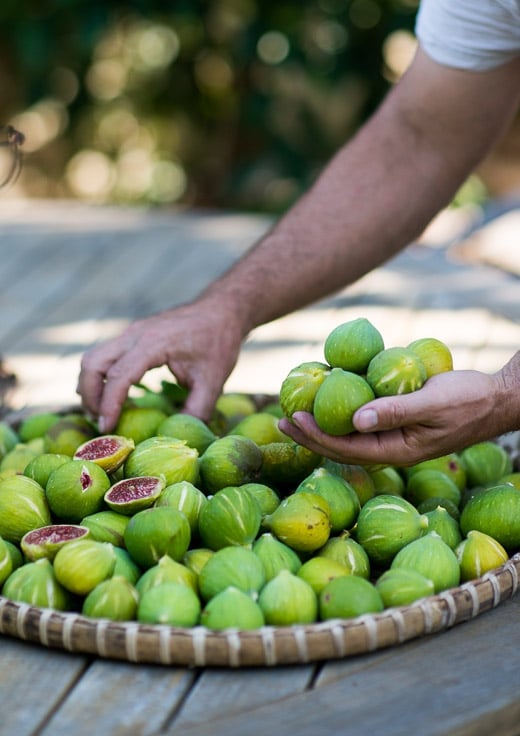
(231, 104)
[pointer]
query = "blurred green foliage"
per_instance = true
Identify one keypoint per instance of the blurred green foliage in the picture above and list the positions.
(216, 103)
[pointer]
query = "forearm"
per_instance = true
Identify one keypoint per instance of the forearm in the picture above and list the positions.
(376, 196)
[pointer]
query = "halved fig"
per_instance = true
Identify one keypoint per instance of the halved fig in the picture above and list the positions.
(109, 451)
(47, 540)
(130, 495)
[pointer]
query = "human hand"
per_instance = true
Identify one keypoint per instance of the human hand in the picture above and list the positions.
(198, 342)
(451, 411)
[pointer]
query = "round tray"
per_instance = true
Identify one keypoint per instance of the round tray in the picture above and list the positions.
(269, 645)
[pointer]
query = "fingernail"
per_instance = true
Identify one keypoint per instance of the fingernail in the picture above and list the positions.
(102, 424)
(366, 419)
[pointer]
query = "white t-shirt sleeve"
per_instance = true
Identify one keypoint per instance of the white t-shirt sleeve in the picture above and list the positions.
(469, 34)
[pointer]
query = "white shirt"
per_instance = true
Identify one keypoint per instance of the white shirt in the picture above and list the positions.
(469, 34)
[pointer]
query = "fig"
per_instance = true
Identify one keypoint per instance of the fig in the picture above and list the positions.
(166, 571)
(9, 438)
(106, 526)
(76, 489)
(130, 495)
(288, 599)
(349, 553)
(36, 583)
(260, 427)
(125, 566)
(230, 517)
(494, 511)
(230, 461)
(265, 496)
(428, 483)
(430, 556)
(17, 558)
(275, 556)
(18, 458)
(356, 476)
(486, 463)
(396, 371)
(196, 557)
(82, 564)
(352, 345)
(400, 587)
(318, 571)
(343, 501)
(23, 507)
(301, 521)
(115, 599)
(187, 498)
(512, 478)
(349, 596)
(451, 465)
(172, 604)
(150, 399)
(233, 407)
(388, 481)
(479, 553)
(37, 425)
(434, 354)
(40, 468)
(441, 521)
(139, 423)
(47, 540)
(285, 464)
(299, 388)
(6, 561)
(239, 567)
(192, 430)
(163, 456)
(340, 395)
(66, 435)
(387, 523)
(155, 532)
(430, 504)
(232, 608)
(109, 451)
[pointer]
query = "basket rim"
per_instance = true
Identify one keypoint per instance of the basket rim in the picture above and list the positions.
(267, 646)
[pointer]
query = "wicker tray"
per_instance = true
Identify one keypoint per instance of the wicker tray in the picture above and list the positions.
(269, 645)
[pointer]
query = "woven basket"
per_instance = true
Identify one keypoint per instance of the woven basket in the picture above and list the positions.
(269, 645)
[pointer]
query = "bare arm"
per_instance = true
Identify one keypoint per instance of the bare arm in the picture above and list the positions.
(380, 190)
(375, 196)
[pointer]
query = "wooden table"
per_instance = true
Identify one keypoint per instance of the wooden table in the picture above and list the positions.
(72, 274)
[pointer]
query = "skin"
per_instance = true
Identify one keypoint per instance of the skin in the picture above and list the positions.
(410, 158)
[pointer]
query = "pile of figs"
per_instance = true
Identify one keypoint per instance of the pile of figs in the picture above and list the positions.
(170, 520)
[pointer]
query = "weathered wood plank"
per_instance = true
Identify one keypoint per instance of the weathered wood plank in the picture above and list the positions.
(33, 681)
(219, 692)
(464, 681)
(120, 698)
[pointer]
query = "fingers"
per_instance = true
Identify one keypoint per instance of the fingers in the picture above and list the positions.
(105, 379)
(202, 399)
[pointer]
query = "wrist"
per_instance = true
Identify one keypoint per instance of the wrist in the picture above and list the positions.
(508, 394)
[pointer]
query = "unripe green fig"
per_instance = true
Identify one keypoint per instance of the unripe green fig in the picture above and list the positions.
(299, 388)
(114, 598)
(36, 583)
(430, 556)
(232, 608)
(340, 395)
(352, 345)
(287, 599)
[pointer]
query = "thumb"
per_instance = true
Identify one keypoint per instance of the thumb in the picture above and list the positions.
(389, 412)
